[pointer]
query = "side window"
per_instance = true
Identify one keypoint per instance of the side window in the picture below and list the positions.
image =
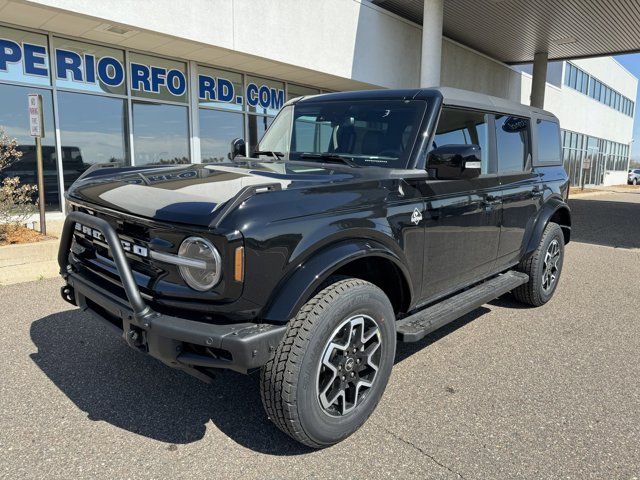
(464, 127)
(512, 143)
(548, 140)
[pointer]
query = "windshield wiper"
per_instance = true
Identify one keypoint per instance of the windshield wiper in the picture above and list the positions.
(331, 157)
(276, 155)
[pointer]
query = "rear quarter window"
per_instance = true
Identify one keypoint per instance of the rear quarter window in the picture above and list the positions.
(548, 141)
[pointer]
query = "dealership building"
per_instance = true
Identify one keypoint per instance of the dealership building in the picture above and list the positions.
(175, 81)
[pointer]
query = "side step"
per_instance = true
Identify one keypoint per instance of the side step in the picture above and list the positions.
(422, 323)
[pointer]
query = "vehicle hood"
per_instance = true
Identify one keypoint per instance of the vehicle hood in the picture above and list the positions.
(193, 194)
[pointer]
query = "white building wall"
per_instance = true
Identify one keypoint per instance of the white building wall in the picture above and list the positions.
(347, 38)
(468, 69)
(579, 112)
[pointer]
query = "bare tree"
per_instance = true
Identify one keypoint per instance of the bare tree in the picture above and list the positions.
(16, 200)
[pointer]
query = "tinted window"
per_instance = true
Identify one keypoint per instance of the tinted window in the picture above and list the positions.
(35, 72)
(464, 127)
(512, 142)
(217, 129)
(71, 78)
(160, 133)
(91, 131)
(219, 88)
(140, 83)
(548, 142)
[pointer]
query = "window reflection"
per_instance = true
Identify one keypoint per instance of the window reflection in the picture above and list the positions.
(217, 129)
(87, 51)
(16, 71)
(258, 124)
(160, 134)
(92, 130)
(14, 119)
(512, 142)
(294, 91)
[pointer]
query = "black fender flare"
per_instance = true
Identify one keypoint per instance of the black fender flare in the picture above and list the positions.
(296, 288)
(549, 209)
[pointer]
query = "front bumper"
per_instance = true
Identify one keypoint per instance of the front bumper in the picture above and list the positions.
(189, 345)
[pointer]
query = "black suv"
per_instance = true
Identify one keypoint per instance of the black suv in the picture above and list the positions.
(362, 218)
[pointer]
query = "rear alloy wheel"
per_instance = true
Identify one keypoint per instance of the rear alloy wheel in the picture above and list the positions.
(635, 181)
(544, 267)
(550, 271)
(330, 370)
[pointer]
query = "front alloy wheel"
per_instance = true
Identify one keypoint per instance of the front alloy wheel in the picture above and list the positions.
(350, 365)
(330, 370)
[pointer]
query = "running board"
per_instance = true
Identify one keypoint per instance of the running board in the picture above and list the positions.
(421, 324)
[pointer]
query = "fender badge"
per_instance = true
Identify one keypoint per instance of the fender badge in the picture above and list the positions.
(416, 216)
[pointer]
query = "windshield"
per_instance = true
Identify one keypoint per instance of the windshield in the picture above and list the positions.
(368, 132)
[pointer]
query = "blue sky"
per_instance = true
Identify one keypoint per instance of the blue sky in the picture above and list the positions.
(632, 63)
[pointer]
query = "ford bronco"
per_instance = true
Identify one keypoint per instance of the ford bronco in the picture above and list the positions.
(361, 219)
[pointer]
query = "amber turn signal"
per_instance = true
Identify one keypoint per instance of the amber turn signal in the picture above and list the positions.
(238, 270)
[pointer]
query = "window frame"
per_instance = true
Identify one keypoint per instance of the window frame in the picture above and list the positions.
(492, 161)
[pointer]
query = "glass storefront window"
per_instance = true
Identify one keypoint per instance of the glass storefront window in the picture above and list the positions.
(92, 130)
(220, 88)
(158, 78)
(258, 124)
(294, 91)
(160, 133)
(14, 119)
(217, 129)
(88, 67)
(26, 57)
(264, 96)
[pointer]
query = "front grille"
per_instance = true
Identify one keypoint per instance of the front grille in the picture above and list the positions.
(91, 252)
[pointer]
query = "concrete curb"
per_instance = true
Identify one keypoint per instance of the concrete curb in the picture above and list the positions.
(28, 262)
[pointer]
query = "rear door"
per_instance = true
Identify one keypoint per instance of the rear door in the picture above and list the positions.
(520, 185)
(462, 216)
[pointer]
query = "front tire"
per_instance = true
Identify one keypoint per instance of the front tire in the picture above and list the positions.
(330, 370)
(544, 267)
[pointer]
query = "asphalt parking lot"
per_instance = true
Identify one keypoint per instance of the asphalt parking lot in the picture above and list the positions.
(504, 392)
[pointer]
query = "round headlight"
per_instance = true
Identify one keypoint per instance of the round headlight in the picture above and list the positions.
(202, 265)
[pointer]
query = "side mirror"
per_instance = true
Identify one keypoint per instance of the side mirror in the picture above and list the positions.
(452, 162)
(238, 148)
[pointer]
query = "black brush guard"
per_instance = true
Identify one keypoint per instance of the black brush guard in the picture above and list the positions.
(189, 345)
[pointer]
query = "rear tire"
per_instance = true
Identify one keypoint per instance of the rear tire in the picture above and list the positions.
(330, 370)
(544, 267)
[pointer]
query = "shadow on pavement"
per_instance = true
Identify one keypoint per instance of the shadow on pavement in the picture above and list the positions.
(113, 383)
(405, 350)
(102, 376)
(606, 222)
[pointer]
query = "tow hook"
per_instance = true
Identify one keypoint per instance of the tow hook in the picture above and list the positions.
(68, 295)
(134, 338)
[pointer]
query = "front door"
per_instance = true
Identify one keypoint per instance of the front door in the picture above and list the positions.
(462, 216)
